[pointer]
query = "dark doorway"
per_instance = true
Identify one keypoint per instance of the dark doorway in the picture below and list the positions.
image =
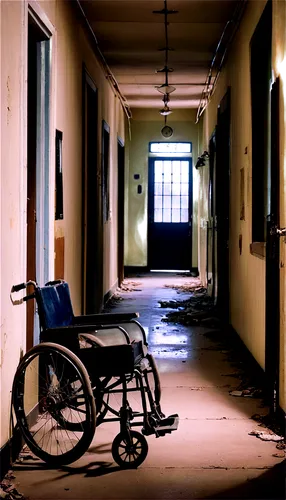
(218, 206)
(221, 211)
(211, 234)
(92, 246)
(38, 111)
(120, 208)
(272, 297)
(170, 214)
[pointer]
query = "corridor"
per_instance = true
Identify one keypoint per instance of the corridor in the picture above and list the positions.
(211, 455)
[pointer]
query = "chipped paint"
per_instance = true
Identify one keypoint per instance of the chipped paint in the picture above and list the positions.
(9, 106)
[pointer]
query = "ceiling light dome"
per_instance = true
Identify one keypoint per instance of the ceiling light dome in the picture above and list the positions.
(166, 110)
(166, 89)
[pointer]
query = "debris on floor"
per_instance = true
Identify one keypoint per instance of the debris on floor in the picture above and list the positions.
(8, 489)
(193, 285)
(130, 286)
(26, 454)
(266, 435)
(197, 309)
(112, 302)
(250, 392)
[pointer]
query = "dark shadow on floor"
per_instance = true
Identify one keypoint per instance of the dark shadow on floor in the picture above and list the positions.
(270, 485)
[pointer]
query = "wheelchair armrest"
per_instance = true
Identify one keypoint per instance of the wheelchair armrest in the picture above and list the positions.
(69, 334)
(104, 318)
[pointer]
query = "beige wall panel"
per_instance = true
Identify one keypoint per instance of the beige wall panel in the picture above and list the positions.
(247, 273)
(72, 52)
(13, 168)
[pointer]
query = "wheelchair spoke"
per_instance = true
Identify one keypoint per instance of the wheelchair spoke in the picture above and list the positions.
(53, 403)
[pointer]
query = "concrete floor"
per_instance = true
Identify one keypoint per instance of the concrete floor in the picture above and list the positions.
(211, 455)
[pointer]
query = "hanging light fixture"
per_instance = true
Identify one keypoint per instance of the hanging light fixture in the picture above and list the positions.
(166, 110)
(165, 88)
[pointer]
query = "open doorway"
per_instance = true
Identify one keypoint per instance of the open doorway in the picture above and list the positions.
(170, 207)
(38, 108)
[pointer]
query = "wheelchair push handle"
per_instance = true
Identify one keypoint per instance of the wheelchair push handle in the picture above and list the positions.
(22, 286)
(17, 288)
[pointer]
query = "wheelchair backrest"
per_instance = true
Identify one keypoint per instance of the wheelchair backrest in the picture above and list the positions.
(55, 307)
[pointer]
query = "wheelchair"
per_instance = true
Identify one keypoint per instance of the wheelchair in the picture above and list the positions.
(86, 371)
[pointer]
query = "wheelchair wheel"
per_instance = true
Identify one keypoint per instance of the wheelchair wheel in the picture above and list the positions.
(129, 449)
(53, 403)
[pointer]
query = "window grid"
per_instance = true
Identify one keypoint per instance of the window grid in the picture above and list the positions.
(171, 191)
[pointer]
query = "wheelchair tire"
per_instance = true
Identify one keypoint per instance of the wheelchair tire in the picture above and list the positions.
(129, 449)
(51, 396)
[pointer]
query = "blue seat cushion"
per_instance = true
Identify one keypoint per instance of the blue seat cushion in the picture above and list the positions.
(55, 307)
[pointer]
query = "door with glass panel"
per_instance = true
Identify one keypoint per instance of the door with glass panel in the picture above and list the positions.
(169, 214)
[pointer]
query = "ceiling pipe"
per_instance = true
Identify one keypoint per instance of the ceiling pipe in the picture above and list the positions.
(209, 87)
(109, 75)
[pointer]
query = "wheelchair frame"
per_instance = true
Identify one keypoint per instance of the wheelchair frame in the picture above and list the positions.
(79, 365)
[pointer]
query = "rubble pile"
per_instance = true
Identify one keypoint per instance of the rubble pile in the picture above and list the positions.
(197, 309)
(193, 285)
(130, 286)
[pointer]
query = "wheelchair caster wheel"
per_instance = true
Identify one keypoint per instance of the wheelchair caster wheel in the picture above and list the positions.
(129, 449)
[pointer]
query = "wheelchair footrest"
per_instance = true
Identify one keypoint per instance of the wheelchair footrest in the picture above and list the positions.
(167, 425)
(160, 426)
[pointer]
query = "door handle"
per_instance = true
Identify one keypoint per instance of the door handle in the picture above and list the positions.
(277, 231)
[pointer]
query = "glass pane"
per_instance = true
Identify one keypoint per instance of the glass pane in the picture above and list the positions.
(158, 202)
(157, 215)
(185, 171)
(170, 147)
(158, 188)
(167, 215)
(176, 202)
(184, 202)
(176, 171)
(167, 189)
(185, 189)
(167, 202)
(158, 167)
(176, 189)
(167, 171)
(184, 215)
(176, 215)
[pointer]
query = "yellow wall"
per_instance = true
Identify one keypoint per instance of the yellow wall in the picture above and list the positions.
(13, 195)
(70, 50)
(146, 127)
(247, 271)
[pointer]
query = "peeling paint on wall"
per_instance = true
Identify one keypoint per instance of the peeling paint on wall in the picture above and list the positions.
(8, 100)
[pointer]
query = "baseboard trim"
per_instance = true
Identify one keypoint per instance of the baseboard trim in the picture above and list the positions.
(135, 270)
(247, 356)
(257, 372)
(110, 293)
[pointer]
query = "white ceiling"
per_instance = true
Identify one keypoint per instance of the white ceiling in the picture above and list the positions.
(130, 37)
